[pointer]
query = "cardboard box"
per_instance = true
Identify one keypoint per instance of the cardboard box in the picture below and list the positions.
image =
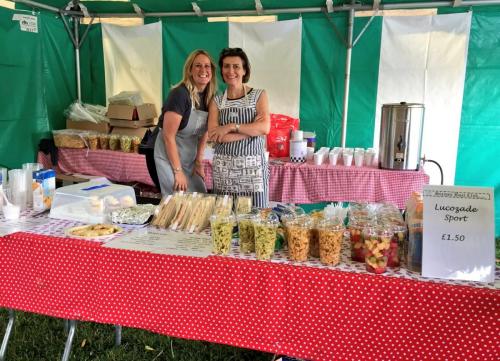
(132, 123)
(132, 132)
(102, 127)
(144, 111)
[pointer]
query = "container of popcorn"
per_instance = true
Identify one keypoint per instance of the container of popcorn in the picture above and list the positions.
(221, 227)
(377, 250)
(265, 236)
(331, 233)
(298, 241)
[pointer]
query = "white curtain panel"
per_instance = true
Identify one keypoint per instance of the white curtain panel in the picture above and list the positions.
(423, 60)
(133, 60)
(274, 51)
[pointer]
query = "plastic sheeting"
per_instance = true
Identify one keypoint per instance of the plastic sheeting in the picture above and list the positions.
(274, 52)
(38, 82)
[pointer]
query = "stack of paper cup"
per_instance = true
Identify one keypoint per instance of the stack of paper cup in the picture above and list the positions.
(369, 156)
(18, 187)
(347, 155)
(30, 168)
(297, 135)
(310, 152)
(358, 157)
(334, 156)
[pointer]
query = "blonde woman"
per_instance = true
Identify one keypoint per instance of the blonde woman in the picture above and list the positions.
(181, 142)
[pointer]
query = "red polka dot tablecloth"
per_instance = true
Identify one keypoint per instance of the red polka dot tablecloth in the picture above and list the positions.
(307, 312)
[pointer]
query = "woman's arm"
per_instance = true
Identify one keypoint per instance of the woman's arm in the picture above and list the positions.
(171, 122)
(198, 163)
(231, 132)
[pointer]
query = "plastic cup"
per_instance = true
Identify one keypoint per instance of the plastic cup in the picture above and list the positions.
(358, 159)
(333, 158)
(347, 158)
(368, 158)
(318, 158)
(18, 187)
(30, 168)
(310, 153)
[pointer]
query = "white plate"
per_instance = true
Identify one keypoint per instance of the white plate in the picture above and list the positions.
(69, 231)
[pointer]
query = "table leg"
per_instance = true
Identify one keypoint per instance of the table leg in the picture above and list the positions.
(69, 340)
(118, 335)
(8, 331)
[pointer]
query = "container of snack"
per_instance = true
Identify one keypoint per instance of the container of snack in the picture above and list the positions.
(247, 232)
(377, 250)
(314, 237)
(92, 141)
(359, 229)
(298, 242)
(331, 233)
(125, 143)
(398, 247)
(221, 227)
(265, 236)
(243, 204)
(114, 142)
(104, 141)
(136, 142)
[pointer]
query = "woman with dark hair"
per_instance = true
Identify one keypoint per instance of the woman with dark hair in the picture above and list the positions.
(238, 121)
(180, 145)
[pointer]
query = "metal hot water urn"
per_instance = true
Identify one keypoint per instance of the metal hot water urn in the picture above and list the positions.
(401, 129)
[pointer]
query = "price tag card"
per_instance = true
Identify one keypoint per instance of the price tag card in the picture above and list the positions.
(459, 233)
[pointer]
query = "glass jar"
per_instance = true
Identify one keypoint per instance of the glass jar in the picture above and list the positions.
(221, 227)
(298, 242)
(265, 236)
(377, 250)
(331, 234)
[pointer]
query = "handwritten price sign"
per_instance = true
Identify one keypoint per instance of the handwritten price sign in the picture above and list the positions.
(459, 241)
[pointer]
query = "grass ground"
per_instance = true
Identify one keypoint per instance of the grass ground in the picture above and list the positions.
(41, 338)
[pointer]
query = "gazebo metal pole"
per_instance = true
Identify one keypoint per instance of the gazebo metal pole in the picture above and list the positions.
(347, 79)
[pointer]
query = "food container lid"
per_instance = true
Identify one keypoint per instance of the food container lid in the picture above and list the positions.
(224, 218)
(270, 219)
(333, 224)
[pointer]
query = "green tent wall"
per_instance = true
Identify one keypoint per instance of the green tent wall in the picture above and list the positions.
(41, 82)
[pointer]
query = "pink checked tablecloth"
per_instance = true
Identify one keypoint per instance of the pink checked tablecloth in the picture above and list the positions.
(289, 182)
(307, 312)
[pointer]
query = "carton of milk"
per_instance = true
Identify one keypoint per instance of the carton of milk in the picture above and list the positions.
(44, 185)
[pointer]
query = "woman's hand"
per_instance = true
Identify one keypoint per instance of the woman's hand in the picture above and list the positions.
(180, 181)
(198, 169)
(216, 134)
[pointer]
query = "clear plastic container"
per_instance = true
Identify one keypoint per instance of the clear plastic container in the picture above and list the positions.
(398, 246)
(104, 141)
(247, 232)
(265, 236)
(125, 143)
(114, 142)
(314, 238)
(377, 250)
(243, 204)
(298, 242)
(90, 202)
(359, 230)
(415, 237)
(222, 233)
(331, 234)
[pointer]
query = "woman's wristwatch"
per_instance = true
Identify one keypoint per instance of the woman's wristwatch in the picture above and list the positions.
(177, 170)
